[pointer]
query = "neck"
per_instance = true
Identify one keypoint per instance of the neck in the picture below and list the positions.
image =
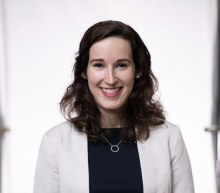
(111, 119)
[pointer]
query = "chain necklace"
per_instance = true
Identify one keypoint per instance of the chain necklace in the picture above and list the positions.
(114, 145)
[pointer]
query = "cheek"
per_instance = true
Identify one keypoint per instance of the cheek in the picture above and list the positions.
(130, 84)
(129, 80)
(93, 80)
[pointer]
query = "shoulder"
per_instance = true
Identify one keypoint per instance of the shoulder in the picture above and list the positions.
(167, 138)
(167, 133)
(60, 133)
(170, 134)
(62, 128)
(167, 129)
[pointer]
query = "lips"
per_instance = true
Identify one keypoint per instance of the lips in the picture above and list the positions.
(111, 92)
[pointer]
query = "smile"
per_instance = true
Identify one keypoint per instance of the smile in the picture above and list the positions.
(111, 92)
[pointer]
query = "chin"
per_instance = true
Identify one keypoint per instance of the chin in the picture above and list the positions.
(112, 107)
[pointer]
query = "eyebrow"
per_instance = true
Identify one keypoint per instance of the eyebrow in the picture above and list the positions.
(101, 60)
(121, 60)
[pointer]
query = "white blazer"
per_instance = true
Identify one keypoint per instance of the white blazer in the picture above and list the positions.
(62, 165)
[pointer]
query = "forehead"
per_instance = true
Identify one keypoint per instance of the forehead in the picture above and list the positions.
(111, 48)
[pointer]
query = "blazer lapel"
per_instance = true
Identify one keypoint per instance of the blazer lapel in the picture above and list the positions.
(80, 170)
(140, 144)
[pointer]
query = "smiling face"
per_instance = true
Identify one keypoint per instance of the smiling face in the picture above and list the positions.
(111, 73)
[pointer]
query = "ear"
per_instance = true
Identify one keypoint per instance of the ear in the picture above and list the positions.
(138, 75)
(83, 75)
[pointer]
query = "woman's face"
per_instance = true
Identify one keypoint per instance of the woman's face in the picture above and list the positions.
(111, 73)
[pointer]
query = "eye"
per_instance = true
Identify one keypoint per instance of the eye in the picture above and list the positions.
(122, 65)
(98, 65)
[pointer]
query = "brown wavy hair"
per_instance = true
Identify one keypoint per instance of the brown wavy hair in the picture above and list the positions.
(78, 105)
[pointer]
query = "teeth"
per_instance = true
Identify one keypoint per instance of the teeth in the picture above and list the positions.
(110, 91)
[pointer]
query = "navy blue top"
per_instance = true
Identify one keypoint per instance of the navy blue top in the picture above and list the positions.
(111, 172)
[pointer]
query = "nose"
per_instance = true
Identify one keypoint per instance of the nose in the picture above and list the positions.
(110, 77)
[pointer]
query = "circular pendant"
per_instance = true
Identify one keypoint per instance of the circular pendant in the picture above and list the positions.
(115, 150)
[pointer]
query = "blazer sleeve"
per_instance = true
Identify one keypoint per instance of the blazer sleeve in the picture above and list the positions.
(182, 180)
(46, 174)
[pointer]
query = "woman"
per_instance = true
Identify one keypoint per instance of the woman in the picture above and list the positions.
(119, 140)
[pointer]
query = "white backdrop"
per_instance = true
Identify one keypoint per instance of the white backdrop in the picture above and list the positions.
(42, 38)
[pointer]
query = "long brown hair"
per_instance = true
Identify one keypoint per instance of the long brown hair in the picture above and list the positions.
(143, 109)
